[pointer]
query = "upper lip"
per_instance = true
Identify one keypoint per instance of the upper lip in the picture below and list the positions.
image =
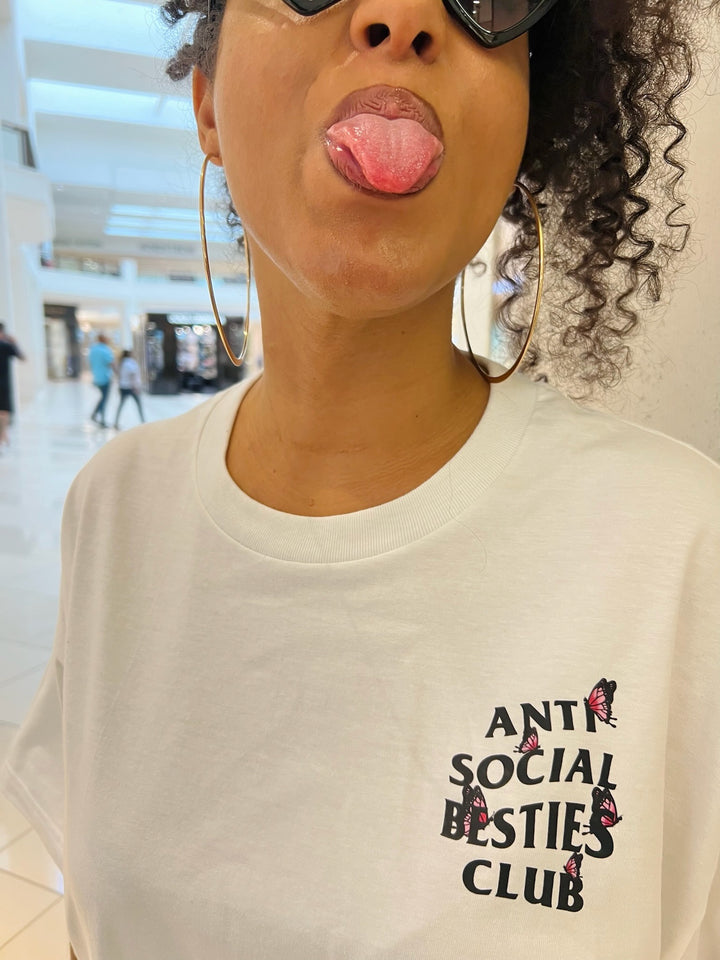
(391, 102)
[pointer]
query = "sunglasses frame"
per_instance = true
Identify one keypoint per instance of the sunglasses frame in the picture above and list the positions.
(487, 38)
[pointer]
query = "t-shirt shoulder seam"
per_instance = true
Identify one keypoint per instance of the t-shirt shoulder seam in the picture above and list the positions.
(610, 416)
(675, 441)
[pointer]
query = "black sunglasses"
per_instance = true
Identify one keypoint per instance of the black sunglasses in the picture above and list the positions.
(491, 22)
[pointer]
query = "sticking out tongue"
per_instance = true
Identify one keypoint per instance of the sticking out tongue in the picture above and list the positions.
(390, 155)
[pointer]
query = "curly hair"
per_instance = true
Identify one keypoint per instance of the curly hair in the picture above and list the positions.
(605, 80)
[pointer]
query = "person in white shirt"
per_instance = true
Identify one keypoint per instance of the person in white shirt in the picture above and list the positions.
(129, 384)
(382, 654)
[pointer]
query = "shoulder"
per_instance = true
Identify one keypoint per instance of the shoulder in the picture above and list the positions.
(142, 469)
(630, 462)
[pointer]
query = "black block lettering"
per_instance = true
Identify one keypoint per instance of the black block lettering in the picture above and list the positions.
(552, 832)
(505, 828)
(604, 780)
(567, 712)
(530, 810)
(569, 893)
(607, 844)
(508, 768)
(545, 897)
(572, 825)
(454, 821)
(522, 766)
(457, 762)
(503, 882)
(581, 765)
(469, 877)
(532, 716)
(501, 721)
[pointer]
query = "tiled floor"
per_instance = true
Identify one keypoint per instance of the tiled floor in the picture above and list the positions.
(50, 442)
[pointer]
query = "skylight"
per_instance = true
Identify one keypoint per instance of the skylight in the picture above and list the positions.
(97, 103)
(170, 223)
(104, 24)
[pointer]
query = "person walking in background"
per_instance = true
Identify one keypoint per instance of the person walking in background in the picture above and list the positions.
(8, 350)
(102, 365)
(130, 384)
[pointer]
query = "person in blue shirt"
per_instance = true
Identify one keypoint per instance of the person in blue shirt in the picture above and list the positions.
(102, 365)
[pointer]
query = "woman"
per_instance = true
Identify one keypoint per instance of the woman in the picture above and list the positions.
(375, 657)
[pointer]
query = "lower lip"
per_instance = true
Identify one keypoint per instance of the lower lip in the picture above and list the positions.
(349, 169)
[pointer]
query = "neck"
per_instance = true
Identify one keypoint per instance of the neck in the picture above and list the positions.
(354, 411)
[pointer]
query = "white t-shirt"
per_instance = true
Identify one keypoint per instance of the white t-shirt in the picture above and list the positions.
(479, 721)
(129, 377)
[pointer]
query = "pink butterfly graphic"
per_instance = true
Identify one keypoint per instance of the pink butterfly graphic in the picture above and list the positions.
(600, 700)
(604, 812)
(530, 743)
(573, 866)
(475, 808)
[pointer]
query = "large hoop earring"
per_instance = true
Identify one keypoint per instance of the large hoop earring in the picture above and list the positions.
(237, 360)
(538, 299)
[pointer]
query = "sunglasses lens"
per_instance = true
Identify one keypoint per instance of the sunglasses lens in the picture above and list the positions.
(497, 15)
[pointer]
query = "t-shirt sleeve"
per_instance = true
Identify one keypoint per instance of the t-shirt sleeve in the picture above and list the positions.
(691, 855)
(33, 774)
(706, 942)
(709, 938)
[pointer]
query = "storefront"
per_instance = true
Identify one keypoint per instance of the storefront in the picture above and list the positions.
(183, 351)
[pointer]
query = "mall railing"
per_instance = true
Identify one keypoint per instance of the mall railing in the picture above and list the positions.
(16, 145)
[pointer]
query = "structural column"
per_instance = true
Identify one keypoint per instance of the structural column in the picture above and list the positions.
(129, 317)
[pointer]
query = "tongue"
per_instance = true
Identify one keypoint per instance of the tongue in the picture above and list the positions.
(393, 155)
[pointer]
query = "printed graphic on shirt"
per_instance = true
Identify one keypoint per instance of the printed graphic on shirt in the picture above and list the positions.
(601, 699)
(573, 865)
(555, 824)
(531, 743)
(475, 810)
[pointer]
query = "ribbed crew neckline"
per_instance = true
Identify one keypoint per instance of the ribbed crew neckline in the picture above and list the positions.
(374, 531)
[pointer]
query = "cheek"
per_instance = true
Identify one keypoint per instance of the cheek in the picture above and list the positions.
(259, 120)
(492, 150)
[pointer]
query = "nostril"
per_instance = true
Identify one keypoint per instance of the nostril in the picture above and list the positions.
(421, 42)
(377, 33)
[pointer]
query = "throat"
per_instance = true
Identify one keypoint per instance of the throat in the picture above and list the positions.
(322, 481)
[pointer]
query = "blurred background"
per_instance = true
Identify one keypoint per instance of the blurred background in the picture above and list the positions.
(99, 171)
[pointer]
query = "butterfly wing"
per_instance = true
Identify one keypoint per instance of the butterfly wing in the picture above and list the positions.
(475, 806)
(601, 698)
(572, 867)
(530, 742)
(608, 810)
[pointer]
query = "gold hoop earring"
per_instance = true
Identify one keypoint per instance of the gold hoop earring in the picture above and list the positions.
(538, 299)
(236, 360)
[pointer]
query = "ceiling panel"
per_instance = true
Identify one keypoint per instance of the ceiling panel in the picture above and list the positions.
(111, 129)
(100, 24)
(70, 63)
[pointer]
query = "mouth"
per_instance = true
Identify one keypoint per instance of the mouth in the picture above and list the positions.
(386, 141)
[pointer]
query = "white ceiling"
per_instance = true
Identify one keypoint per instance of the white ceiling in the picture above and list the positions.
(112, 131)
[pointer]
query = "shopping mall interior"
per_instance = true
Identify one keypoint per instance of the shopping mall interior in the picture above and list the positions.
(99, 234)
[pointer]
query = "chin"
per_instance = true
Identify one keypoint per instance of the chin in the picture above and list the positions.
(367, 288)
(384, 275)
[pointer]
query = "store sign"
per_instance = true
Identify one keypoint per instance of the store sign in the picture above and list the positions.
(191, 319)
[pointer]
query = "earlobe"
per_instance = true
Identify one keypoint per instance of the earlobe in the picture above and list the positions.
(204, 107)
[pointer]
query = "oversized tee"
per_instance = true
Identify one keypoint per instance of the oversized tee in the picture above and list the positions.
(478, 721)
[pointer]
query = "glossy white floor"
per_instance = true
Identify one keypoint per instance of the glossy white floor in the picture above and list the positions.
(50, 442)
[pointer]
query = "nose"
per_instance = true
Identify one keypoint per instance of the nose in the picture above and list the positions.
(403, 29)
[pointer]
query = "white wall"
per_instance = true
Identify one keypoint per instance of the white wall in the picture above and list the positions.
(675, 386)
(26, 219)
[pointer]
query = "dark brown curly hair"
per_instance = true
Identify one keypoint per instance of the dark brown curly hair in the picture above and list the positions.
(605, 80)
